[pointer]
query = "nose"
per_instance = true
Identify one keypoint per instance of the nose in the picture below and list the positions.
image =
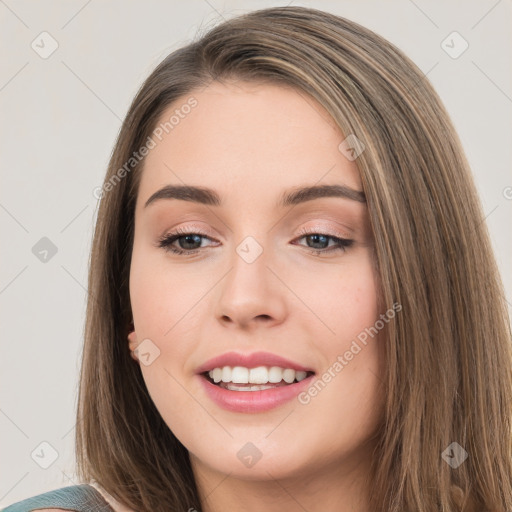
(250, 294)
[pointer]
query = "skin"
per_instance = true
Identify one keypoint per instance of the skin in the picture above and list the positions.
(250, 142)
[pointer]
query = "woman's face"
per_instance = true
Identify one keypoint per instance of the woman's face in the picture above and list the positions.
(257, 276)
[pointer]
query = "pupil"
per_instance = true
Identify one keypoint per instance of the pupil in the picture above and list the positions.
(316, 237)
(187, 238)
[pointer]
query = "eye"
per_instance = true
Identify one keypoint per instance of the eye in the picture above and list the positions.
(321, 239)
(190, 242)
(191, 238)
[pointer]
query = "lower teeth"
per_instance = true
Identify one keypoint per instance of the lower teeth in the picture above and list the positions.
(250, 387)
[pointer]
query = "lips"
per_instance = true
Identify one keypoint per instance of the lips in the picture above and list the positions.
(252, 401)
(252, 360)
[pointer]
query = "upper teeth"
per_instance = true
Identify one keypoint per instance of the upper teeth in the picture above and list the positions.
(259, 375)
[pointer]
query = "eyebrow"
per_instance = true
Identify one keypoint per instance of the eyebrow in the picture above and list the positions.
(292, 197)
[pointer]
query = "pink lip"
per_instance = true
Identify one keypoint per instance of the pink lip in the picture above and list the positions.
(253, 401)
(250, 361)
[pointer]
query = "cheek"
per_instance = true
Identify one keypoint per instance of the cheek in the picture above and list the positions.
(348, 392)
(166, 305)
(353, 349)
(357, 303)
(162, 295)
(346, 300)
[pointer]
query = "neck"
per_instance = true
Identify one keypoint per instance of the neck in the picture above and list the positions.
(320, 488)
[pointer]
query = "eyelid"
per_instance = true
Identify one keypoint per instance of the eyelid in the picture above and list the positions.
(310, 230)
(191, 228)
(347, 221)
(306, 230)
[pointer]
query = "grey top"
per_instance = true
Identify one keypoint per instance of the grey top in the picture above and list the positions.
(79, 498)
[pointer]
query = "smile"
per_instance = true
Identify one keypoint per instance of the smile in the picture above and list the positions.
(226, 375)
(252, 390)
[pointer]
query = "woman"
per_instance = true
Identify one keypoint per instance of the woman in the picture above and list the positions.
(293, 300)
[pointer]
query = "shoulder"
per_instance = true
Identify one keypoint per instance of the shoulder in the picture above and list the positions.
(78, 498)
(114, 504)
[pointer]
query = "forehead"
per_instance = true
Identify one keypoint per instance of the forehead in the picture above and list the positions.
(246, 137)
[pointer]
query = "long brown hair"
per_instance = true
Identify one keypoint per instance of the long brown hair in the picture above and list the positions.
(448, 373)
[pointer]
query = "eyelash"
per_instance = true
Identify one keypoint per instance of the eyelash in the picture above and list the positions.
(166, 241)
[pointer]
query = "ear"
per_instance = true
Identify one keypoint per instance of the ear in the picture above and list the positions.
(132, 338)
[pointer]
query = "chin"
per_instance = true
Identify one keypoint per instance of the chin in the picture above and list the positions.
(259, 460)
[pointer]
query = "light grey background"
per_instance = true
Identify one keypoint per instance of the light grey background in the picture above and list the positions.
(59, 118)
